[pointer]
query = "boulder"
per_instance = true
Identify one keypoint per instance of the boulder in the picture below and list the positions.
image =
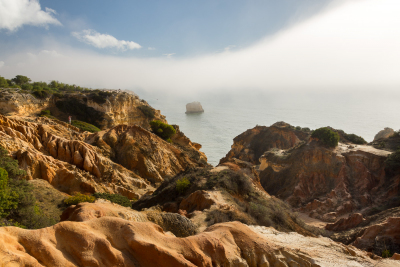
(194, 107)
(385, 133)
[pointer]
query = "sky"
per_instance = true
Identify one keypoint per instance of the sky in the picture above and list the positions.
(190, 46)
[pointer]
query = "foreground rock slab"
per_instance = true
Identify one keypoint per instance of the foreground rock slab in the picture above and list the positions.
(111, 241)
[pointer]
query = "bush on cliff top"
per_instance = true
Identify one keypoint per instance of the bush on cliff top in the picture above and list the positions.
(163, 130)
(326, 136)
(356, 139)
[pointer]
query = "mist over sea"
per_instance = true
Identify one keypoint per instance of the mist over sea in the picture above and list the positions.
(229, 114)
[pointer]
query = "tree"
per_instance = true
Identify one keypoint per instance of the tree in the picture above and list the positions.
(53, 84)
(19, 80)
(3, 83)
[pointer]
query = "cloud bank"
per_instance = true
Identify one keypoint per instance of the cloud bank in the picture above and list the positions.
(16, 13)
(353, 46)
(100, 40)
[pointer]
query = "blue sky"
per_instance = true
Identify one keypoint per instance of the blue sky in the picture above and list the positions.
(204, 45)
(182, 27)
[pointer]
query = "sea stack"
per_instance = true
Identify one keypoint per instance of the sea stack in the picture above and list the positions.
(194, 107)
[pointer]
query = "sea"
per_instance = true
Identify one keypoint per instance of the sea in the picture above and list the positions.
(228, 114)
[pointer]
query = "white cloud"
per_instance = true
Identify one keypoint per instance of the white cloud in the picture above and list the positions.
(16, 13)
(151, 48)
(354, 46)
(169, 55)
(100, 40)
(229, 47)
(1, 64)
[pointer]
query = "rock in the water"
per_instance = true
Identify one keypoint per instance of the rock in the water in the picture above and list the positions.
(385, 133)
(194, 107)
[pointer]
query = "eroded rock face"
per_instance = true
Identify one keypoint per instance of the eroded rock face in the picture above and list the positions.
(145, 153)
(194, 107)
(68, 165)
(111, 241)
(14, 103)
(321, 180)
(125, 108)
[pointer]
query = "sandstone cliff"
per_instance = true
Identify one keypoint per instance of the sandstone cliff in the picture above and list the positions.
(62, 155)
(110, 109)
(111, 241)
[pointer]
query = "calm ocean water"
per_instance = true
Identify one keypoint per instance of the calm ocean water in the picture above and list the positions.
(228, 115)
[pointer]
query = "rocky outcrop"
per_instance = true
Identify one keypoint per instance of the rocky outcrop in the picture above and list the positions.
(385, 133)
(194, 107)
(320, 180)
(111, 241)
(346, 223)
(250, 145)
(146, 154)
(124, 159)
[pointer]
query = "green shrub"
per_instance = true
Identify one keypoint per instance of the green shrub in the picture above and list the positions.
(84, 126)
(147, 111)
(326, 136)
(355, 139)
(298, 128)
(79, 198)
(26, 213)
(114, 198)
(182, 185)
(386, 254)
(163, 130)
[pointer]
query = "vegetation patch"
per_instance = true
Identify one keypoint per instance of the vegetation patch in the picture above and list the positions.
(326, 136)
(114, 198)
(20, 206)
(79, 198)
(163, 130)
(182, 185)
(84, 126)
